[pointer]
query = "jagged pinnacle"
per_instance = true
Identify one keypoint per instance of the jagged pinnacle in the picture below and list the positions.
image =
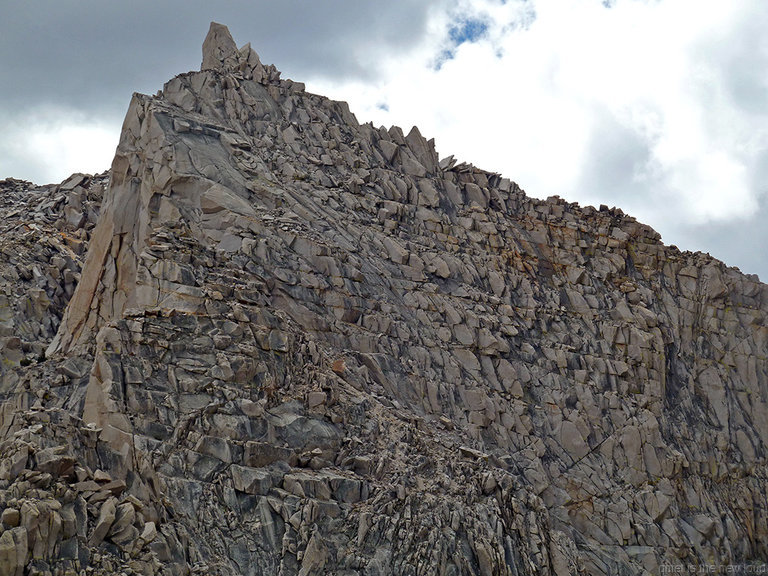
(221, 53)
(219, 49)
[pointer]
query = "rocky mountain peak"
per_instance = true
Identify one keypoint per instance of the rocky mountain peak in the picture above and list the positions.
(273, 340)
(220, 53)
(219, 50)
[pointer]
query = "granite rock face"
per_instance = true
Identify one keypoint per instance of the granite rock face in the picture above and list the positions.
(303, 345)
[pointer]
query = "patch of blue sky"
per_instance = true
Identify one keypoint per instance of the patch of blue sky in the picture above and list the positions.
(442, 58)
(467, 30)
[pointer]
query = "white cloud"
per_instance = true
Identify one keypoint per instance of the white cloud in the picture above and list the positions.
(53, 143)
(528, 97)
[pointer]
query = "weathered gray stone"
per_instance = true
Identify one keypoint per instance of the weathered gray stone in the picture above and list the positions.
(251, 480)
(299, 344)
(104, 523)
(13, 551)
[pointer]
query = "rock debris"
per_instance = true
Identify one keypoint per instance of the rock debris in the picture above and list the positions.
(273, 340)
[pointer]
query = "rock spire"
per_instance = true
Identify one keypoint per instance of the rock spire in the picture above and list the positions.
(220, 53)
(219, 50)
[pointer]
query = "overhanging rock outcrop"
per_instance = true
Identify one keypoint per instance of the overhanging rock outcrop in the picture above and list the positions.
(312, 346)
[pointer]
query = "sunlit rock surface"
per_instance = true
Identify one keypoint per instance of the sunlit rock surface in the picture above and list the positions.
(302, 345)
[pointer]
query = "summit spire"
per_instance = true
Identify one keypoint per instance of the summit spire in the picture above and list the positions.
(219, 49)
(221, 53)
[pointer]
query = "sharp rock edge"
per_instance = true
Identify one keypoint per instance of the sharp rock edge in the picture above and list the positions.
(272, 340)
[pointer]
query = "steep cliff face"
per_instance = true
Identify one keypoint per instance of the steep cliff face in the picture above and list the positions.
(302, 345)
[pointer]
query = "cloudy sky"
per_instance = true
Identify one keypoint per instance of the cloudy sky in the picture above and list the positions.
(659, 107)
